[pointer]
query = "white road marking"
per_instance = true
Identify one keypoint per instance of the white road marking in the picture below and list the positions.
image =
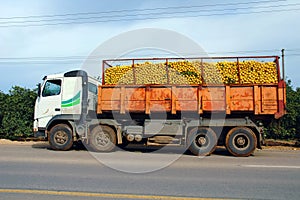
(273, 166)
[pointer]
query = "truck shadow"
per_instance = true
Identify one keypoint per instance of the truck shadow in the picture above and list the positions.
(221, 151)
(41, 145)
(78, 146)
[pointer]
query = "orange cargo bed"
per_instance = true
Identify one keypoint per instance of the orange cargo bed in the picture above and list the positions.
(255, 99)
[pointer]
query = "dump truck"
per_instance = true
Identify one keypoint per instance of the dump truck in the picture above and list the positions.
(197, 103)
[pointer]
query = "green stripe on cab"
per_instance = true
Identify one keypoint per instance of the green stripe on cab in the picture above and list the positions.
(71, 102)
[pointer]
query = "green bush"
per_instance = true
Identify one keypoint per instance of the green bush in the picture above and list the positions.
(16, 113)
(287, 127)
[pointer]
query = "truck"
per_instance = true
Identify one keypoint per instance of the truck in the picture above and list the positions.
(200, 116)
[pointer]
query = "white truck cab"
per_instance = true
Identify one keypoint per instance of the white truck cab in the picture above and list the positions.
(67, 97)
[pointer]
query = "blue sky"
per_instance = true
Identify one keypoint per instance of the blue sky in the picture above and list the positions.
(28, 53)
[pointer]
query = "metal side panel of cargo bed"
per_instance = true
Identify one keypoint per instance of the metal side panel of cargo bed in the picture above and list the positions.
(264, 99)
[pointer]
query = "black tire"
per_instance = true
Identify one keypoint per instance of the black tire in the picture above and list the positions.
(61, 137)
(202, 141)
(241, 141)
(102, 139)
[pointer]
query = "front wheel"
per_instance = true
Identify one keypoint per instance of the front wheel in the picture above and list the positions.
(61, 137)
(202, 141)
(241, 141)
(102, 138)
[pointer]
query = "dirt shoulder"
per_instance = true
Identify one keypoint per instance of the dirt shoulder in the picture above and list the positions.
(281, 148)
(272, 144)
(10, 142)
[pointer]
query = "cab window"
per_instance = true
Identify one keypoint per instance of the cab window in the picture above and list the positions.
(92, 88)
(52, 88)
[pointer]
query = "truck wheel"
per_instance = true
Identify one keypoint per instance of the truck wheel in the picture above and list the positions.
(102, 138)
(61, 137)
(202, 141)
(241, 141)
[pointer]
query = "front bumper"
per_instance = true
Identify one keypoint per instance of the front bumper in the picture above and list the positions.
(40, 134)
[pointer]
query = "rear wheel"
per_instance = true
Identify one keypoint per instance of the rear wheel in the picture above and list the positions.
(102, 138)
(202, 141)
(61, 137)
(241, 141)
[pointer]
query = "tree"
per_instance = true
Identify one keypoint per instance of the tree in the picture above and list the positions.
(288, 127)
(2, 105)
(17, 112)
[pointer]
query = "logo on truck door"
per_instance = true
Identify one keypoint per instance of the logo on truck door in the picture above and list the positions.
(72, 101)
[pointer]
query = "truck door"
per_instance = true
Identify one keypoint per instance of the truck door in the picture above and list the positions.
(72, 95)
(49, 103)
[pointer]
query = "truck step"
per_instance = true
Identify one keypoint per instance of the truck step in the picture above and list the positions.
(164, 140)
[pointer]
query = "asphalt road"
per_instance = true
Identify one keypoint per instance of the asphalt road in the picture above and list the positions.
(35, 172)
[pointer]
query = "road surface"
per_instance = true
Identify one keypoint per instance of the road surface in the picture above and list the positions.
(36, 172)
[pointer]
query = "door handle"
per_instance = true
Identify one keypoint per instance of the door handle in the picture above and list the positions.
(57, 109)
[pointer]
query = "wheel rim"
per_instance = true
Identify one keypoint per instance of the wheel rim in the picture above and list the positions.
(201, 141)
(61, 137)
(102, 139)
(241, 141)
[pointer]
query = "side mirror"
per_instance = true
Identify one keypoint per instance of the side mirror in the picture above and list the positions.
(39, 90)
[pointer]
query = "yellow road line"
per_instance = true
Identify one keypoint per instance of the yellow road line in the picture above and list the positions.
(107, 195)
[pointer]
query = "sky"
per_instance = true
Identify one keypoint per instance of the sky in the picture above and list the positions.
(53, 36)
